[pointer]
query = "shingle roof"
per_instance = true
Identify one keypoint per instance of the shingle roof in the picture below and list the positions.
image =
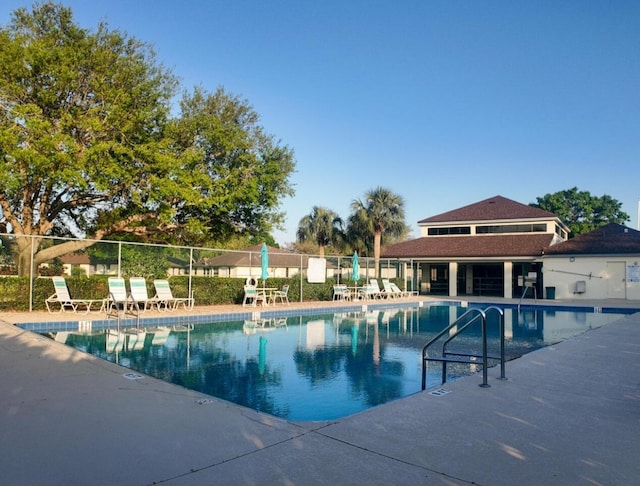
(240, 258)
(496, 207)
(609, 239)
(75, 258)
(528, 245)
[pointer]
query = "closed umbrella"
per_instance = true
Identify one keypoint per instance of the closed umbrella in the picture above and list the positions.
(356, 267)
(264, 257)
(262, 354)
(354, 338)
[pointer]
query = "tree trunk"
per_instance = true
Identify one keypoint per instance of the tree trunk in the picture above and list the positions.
(377, 238)
(25, 249)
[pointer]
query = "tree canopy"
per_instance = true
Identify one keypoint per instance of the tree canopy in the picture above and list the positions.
(379, 215)
(88, 145)
(581, 211)
(376, 219)
(323, 226)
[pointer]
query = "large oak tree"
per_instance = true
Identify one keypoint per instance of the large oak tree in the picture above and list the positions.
(88, 147)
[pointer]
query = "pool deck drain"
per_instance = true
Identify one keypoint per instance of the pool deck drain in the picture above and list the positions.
(205, 401)
(132, 376)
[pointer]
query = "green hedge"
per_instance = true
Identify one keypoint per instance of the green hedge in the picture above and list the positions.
(14, 291)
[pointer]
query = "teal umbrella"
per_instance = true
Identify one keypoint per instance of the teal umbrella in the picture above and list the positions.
(356, 267)
(354, 338)
(264, 257)
(262, 354)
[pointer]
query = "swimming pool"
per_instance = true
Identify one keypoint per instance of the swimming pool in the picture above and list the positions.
(318, 366)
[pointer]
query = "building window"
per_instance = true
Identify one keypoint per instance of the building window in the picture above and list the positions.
(561, 233)
(450, 230)
(512, 228)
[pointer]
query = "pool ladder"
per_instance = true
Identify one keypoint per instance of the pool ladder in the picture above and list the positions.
(135, 310)
(455, 329)
(524, 293)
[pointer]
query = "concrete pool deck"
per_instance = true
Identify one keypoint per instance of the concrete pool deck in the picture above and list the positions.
(567, 414)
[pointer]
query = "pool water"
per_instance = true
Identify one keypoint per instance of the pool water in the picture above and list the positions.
(318, 367)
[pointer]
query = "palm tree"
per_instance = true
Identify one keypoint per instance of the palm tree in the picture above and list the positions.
(322, 226)
(358, 234)
(383, 213)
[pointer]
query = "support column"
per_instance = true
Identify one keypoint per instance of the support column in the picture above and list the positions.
(469, 279)
(508, 278)
(453, 279)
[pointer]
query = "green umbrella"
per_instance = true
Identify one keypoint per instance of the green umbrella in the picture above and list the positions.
(264, 257)
(356, 267)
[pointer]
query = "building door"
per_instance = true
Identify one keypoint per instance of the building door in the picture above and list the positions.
(616, 281)
(439, 279)
(488, 279)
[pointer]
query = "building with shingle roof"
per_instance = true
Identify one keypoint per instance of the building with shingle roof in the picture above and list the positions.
(601, 264)
(495, 208)
(487, 248)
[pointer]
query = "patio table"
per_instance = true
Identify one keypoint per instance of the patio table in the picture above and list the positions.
(267, 296)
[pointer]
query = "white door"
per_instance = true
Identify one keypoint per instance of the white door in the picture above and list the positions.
(616, 282)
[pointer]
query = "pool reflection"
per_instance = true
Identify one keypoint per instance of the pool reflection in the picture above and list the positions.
(316, 367)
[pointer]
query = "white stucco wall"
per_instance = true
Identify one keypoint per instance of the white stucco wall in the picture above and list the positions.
(605, 277)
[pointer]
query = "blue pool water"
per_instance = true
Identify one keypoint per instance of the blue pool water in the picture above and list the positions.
(317, 367)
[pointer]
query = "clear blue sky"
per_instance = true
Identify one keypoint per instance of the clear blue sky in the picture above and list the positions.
(443, 102)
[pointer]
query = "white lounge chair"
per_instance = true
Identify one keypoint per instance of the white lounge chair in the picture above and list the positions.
(62, 336)
(64, 300)
(377, 291)
(135, 340)
(114, 340)
(140, 297)
(160, 336)
(387, 315)
(403, 293)
(118, 297)
(388, 290)
(166, 298)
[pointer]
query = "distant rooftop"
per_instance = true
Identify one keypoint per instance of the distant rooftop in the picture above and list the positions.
(612, 238)
(494, 208)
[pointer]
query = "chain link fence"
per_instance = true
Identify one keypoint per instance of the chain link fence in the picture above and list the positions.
(210, 275)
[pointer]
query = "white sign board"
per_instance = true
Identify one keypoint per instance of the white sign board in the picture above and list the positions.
(317, 271)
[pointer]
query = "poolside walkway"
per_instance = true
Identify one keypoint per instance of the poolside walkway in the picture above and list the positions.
(569, 414)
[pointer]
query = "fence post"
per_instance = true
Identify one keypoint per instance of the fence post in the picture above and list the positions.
(301, 264)
(120, 259)
(31, 274)
(191, 273)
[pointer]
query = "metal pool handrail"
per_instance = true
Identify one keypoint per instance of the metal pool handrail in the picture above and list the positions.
(453, 357)
(124, 310)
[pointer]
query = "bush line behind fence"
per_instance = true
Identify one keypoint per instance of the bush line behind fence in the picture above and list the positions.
(14, 291)
(214, 276)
